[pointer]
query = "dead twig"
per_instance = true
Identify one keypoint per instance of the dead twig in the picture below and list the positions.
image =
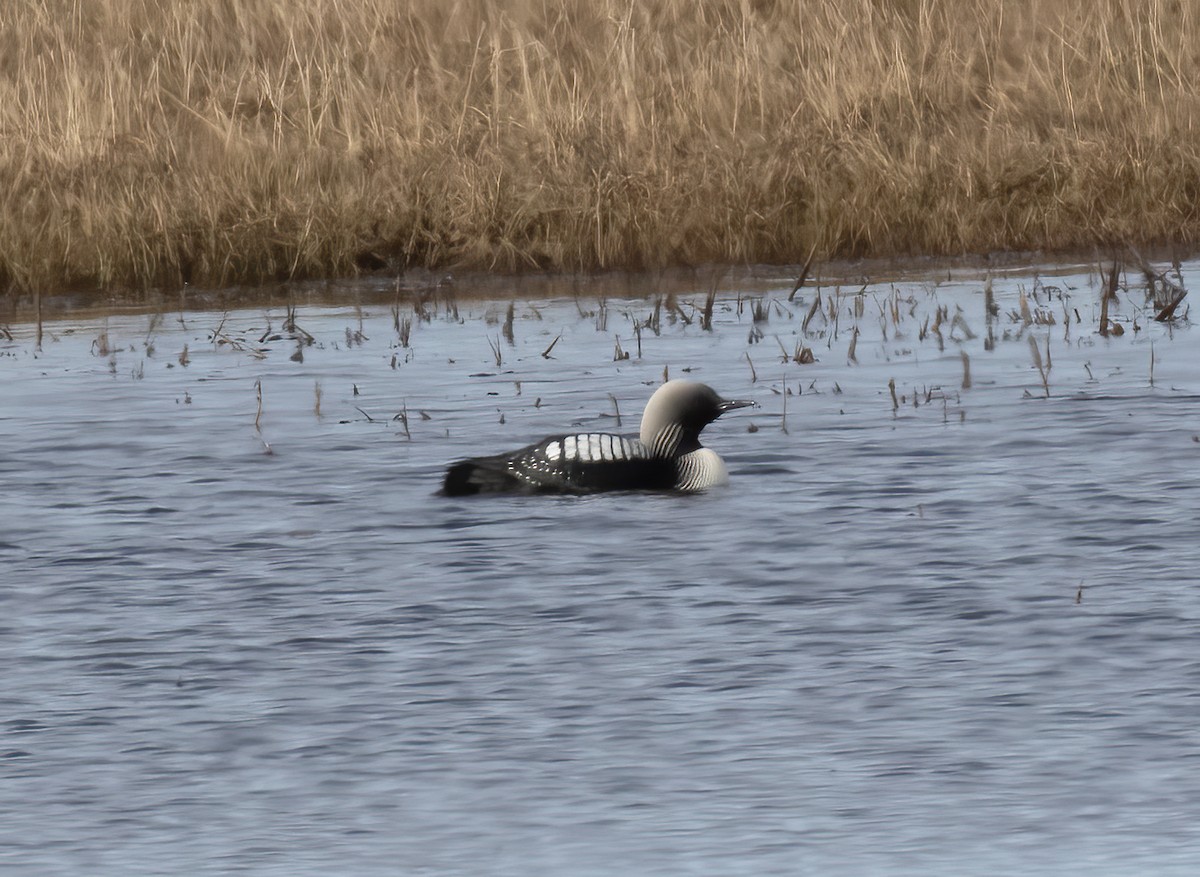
(803, 272)
(1109, 293)
(1168, 313)
(616, 409)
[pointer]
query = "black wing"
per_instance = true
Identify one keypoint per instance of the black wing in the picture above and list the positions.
(579, 463)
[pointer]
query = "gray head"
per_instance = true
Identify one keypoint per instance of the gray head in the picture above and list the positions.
(678, 412)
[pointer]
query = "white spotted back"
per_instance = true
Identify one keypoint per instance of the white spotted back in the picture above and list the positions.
(592, 447)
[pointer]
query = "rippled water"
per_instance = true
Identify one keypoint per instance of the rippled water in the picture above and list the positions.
(955, 637)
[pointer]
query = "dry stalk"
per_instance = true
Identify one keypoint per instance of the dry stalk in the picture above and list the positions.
(783, 422)
(1109, 293)
(961, 324)
(507, 328)
(785, 356)
(402, 417)
(1026, 314)
(813, 310)
(258, 414)
(803, 272)
(1167, 313)
(706, 316)
(1037, 361)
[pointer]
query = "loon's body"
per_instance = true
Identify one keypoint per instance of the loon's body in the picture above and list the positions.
(667, 455)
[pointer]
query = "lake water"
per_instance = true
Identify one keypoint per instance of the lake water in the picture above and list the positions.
(952, 637)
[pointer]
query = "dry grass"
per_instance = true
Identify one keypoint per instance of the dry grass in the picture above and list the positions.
(147, 143)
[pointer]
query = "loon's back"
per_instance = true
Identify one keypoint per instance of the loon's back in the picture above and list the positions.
(575, 463)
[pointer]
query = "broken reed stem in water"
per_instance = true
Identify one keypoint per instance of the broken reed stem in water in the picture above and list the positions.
(1168, 313)
(1037, 361)
(892, 390)
(402, 416)
(616, 409)
(783, 425)
(959, 322)
(990, 311)
(258, 415)
(258, 418)
(707, 314)
(966, 363)
(1026, 313)
(812, 312)
(317, 399)
(803, 272)
(782, 350)
(1109, 293)
(507, 328)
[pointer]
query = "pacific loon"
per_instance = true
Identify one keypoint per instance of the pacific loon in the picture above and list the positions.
(667, 455)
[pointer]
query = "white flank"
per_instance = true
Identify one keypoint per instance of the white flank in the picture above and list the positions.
(569, 448)
(553, 451)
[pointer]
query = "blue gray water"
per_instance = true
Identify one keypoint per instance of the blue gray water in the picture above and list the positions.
(958, 637)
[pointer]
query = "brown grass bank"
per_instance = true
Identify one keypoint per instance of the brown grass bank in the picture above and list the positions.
(218, 141)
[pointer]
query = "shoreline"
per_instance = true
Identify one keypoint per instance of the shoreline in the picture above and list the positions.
(407, 287)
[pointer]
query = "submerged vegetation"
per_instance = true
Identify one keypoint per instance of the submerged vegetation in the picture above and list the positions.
(222, 141)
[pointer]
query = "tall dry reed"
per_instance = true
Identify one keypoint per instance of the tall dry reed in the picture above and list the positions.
(214, 141)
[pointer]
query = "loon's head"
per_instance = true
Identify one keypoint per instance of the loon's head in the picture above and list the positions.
(678, 412)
